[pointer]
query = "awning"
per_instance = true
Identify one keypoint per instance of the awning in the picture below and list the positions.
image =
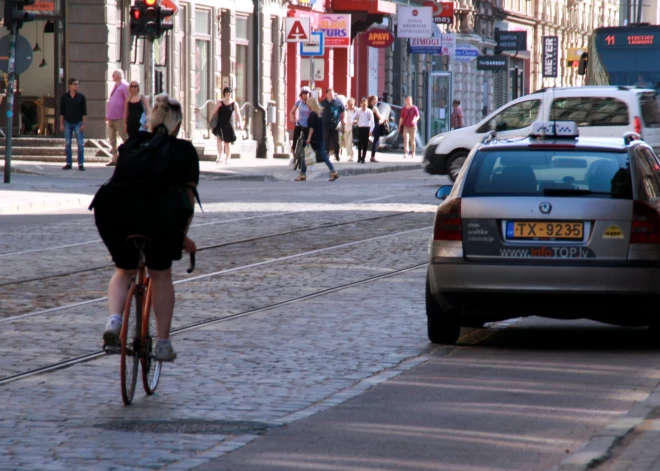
(364, 13)
(371, 7)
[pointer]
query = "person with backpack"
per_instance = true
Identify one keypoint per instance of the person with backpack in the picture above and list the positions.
(152, 193)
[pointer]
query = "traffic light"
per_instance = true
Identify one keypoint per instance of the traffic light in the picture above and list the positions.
(162, 25)
(150, 19)
(136, 19)
(584, 60)
(14, 13)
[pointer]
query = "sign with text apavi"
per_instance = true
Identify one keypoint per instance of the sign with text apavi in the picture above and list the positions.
(336, 30)
(414, 22)
(379, 37)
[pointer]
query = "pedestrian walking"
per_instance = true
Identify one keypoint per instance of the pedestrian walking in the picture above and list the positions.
(456, 120)
(226, 109)
(136, 111)
(73, 118)
(114, 114)
(333, 120)
(302, 111)
(347, 135)
(380, 121)
(408, 125)
(315, 139)
(364, 118)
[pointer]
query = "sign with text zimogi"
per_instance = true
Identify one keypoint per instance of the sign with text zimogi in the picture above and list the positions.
(550, 55)
(493, 63)
(511, 40)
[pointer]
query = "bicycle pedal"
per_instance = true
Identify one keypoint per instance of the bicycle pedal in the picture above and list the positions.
(112, 349)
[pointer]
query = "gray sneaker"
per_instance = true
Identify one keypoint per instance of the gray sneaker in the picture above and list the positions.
(164, 351)
(112, 331)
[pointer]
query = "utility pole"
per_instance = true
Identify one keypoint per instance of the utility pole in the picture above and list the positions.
(14, 18)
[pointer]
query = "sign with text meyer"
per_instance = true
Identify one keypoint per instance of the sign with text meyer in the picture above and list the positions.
(414, 22)
(550, 56)
(511, 40)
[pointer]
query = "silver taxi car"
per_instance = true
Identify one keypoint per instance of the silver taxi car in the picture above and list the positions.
(552, 225)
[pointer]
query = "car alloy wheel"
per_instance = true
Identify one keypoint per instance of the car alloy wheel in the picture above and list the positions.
(455, 164)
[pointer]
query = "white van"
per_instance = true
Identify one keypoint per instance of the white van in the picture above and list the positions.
(599, 112)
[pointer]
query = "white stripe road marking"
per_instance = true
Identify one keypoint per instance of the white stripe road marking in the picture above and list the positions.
(222, 272)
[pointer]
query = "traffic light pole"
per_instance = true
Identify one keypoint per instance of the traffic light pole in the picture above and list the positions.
(11, 69)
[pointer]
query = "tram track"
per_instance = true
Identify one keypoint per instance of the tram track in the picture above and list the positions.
(213, 320)
(209, 247)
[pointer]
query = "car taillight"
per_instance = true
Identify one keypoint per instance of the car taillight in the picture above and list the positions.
(645, 224)
(638, 125)
(448, 221)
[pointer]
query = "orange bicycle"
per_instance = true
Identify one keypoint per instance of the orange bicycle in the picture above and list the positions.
(136, 341)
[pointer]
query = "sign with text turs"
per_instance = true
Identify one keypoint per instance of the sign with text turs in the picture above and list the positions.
(511, 40)
(550, 56)
(336, 30)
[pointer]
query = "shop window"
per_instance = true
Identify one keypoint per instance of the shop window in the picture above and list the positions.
(242, 47)
(202, 66)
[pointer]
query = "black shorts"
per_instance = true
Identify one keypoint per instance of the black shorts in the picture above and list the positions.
(158, 253)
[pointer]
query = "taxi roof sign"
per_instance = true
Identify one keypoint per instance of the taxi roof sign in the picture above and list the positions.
(565, 129)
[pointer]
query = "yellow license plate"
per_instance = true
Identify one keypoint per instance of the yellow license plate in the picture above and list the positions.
(544, 230)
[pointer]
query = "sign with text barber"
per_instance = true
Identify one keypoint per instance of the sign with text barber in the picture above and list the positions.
(414, 22)
(550, 56)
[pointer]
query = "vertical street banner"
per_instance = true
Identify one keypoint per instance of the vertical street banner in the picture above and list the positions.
(550, 56)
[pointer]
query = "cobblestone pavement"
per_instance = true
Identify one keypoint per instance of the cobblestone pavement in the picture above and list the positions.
(233, 380)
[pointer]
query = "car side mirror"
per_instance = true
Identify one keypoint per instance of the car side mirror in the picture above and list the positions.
(443, 192)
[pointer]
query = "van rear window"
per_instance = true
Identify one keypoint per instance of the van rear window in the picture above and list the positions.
(544, 172)
(648, 102)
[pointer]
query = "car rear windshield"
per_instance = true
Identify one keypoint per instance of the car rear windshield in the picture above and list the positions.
(545, 172)
(648, 102)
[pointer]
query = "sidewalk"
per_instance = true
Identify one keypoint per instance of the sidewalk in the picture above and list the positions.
(59, 189)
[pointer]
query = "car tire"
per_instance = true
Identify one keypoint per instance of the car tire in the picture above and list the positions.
(455, 164)
(443, 325)
(474, 322)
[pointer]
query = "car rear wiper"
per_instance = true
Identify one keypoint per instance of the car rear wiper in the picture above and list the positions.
(572, 192)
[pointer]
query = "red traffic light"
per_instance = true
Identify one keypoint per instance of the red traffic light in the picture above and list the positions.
(150, 3)
(136, 14)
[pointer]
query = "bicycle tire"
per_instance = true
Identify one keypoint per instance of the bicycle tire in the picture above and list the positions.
(130, 343)
(150, 367)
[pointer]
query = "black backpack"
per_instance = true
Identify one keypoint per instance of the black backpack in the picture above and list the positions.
(139, 198)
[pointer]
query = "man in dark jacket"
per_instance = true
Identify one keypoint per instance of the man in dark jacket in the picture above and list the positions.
(333, 115)
(73, 118)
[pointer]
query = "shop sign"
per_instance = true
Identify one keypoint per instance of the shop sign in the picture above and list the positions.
(493, 63)
(414, 22)
(425, 46)
(448, 44)
(550, 56)
(511, 40)
(336, 30)
(443, 12)
(40, 6)
(379, 37)
(297, 29)
(466, 52)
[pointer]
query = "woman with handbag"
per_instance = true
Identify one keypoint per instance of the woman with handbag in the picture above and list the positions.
(224, 129)
(315, 139)
(380, 120)
(136, 110)
(408, 125)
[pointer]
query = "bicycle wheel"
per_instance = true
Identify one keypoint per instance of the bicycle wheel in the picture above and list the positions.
(130, 343)
(150, 367)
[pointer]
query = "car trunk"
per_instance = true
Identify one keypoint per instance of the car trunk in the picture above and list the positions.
(546, 229)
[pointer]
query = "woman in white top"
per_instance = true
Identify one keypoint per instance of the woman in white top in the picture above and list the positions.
(348, 128)
(364, 118)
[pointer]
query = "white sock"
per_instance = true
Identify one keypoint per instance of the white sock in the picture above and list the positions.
(116, 317)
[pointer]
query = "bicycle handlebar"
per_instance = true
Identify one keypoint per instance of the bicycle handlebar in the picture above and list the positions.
(192, 262)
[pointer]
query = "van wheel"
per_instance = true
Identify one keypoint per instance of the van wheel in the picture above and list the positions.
(443, 326)
(455, 164)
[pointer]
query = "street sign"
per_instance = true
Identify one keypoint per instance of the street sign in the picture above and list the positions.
(305, 69)
(511, 40)
(465, 52)
(315, 46)
(493, 63)
(297, 29)
(550, 56)
(23, 54)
